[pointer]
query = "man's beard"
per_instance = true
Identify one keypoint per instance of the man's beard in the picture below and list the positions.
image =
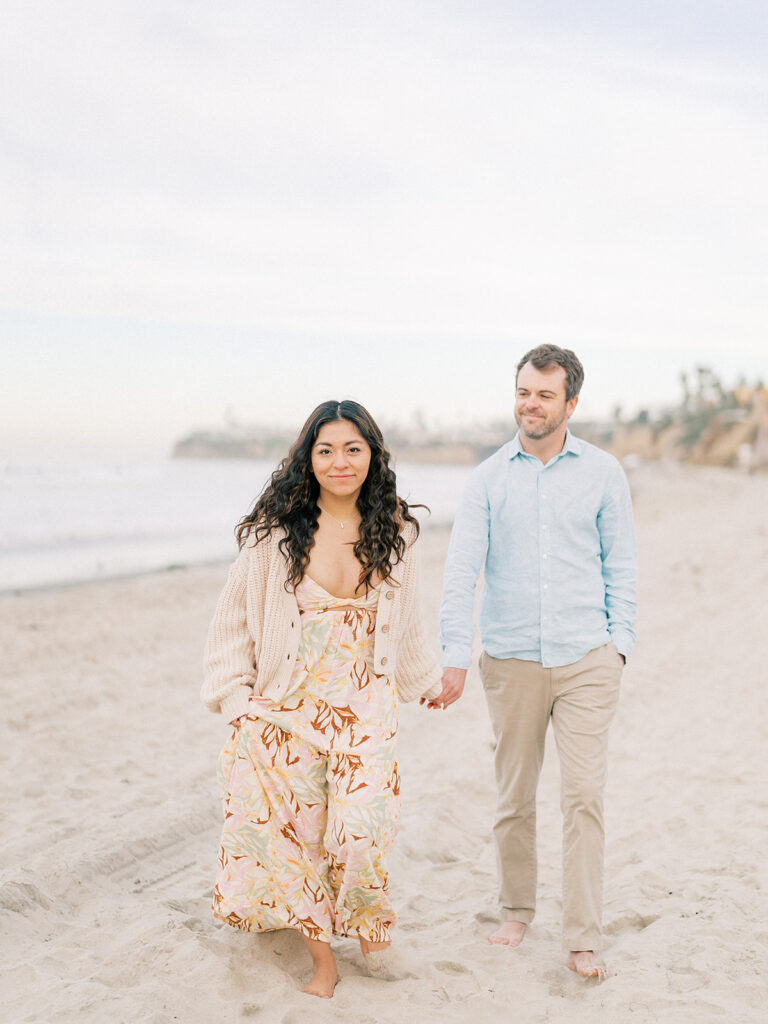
(545, 428)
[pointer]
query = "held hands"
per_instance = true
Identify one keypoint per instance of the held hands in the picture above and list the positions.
(453, 687)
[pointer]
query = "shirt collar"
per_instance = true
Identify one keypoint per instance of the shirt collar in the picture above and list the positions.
(572, 446)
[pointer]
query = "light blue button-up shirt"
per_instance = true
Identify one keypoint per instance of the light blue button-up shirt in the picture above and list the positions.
(557, 543)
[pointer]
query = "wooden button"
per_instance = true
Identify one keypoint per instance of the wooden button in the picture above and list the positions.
(389, 595)
(385, 628)
(383, 661)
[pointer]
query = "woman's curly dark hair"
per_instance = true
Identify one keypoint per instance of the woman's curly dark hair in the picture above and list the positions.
(289, 501)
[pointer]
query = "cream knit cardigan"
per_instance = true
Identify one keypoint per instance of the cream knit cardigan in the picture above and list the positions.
(253, 640)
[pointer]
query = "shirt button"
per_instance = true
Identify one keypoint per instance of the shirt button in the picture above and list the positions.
(544, 526)
(385, 628)
(543, 556)
(389, 595)
(383, 661)
(545, 585)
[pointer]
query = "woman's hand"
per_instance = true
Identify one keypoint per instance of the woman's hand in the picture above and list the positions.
(453, 687)
(238, 721)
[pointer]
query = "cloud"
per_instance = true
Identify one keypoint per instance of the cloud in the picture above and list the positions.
(317, 171)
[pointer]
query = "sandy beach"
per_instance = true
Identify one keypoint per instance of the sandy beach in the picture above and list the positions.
(111, 813)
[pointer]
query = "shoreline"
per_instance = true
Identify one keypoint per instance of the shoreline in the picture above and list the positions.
(44, 588)
(79, 559)
(426, 527)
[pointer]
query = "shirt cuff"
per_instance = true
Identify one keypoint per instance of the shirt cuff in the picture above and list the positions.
(623, 640)
(457, 656)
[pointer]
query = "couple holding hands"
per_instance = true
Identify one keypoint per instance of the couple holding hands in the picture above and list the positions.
(317, 638)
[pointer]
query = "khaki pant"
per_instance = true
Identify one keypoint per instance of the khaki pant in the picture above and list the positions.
(581, 700)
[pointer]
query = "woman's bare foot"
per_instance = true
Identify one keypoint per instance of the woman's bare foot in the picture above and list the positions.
(367, 947)
(586, 964)
(511, 934)
(324, 973)
(379, 959)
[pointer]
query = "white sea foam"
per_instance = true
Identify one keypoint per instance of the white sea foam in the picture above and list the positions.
(62, 521)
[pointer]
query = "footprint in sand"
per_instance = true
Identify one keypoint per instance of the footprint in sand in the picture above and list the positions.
(631, 920)
(485, 917)
(682, 980)
(451, 967)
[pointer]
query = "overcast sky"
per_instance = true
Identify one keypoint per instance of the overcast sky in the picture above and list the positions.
(251, 207)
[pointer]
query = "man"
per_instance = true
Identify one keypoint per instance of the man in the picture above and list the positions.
(549, 519)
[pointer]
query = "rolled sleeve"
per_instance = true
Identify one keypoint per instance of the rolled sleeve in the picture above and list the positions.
(619, 562)
(466, 557)
(230, 649)
(418, 673)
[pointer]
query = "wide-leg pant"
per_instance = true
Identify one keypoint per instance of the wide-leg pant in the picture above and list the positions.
(305, 837)
(580, 700)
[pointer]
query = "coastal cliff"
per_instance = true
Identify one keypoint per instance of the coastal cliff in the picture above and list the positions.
(712, 425)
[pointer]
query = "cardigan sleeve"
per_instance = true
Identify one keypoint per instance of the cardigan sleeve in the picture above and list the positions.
(418, 667)
(230, 648)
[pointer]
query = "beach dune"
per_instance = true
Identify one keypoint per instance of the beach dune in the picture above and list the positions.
(111, 814)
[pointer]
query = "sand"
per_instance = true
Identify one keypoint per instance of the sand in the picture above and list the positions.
(111, 814)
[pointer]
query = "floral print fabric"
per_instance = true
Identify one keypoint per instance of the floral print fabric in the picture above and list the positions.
(311, 787)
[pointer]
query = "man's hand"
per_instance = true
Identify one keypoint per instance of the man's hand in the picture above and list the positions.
(453, 687)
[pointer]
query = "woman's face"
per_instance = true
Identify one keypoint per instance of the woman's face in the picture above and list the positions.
(340, 460)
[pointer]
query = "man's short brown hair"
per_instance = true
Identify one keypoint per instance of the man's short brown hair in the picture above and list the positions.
(544, 356)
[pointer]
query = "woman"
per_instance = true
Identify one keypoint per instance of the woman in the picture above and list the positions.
(316, 637)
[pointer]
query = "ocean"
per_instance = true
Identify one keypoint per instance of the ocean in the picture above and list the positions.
(63, 521)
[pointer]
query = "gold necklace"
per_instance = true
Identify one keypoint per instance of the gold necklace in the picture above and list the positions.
(341, 522)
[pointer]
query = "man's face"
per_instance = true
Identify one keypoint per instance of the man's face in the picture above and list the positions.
(540, 405)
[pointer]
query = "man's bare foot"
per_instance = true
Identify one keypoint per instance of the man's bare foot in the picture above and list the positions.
(511, 934)
(586, 964)
(324, 973)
